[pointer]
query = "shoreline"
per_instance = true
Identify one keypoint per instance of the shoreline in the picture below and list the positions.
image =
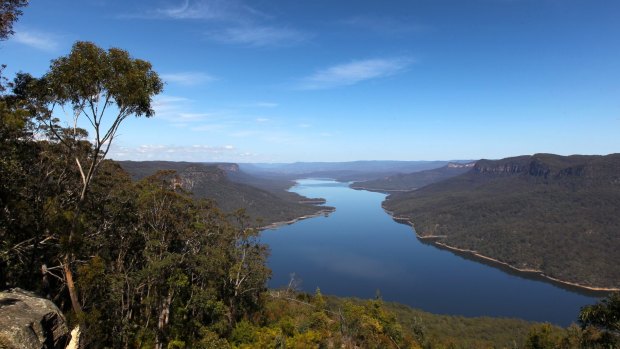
(432, 239)
(325, 211)
(383, 191)
(322, 212)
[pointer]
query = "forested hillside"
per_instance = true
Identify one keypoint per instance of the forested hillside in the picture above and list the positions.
(415, 180)
(559, 215)
(150, 263)
(265, 201)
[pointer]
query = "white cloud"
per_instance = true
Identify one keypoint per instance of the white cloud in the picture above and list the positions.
(38, 40)
(258, 36)
(262, 120)
(229, 21)
(354, 72)
(181, 110)
(187, 78)
(197, 152)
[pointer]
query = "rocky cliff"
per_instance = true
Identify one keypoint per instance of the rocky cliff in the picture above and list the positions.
(556, 214)
(30, 322)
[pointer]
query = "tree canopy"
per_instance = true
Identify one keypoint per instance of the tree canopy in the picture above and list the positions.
(10, 10)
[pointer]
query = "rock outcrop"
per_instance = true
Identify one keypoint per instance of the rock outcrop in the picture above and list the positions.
(30, 322)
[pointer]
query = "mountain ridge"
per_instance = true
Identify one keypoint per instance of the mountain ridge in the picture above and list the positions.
(554, 214)
(411, 181)
(266, 201)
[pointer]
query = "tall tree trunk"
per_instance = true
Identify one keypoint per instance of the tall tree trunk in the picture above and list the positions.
(75, 302)
(164, 316)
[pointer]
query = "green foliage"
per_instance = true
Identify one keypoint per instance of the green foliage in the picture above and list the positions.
(156, 266)
(542, 337)
(546, 212)
(264, 201)
(89, 73)
(10, 10)
(601, 322)
(244, 333)
(152, 265)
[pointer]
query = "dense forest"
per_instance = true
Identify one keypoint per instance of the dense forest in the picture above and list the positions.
(147, 264)
(543, 212)
(265, 201)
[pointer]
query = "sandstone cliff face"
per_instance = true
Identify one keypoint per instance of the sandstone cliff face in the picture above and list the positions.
(30, 322)
(539, 165)
(196, 175)
(459, 165)
(228, 167)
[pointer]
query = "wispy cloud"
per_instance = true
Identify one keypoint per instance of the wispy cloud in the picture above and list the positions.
(354, 72)
(198, 152)
(188, 78)
(181, 111)
(209, 127)
(208, 10)
(258, 36)
(38, 40)
(230, 22)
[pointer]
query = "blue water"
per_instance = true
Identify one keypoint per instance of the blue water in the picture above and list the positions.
(359, 249)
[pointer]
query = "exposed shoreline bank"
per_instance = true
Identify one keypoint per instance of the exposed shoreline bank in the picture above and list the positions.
(435, 240)
(383, 191)
(322, 212)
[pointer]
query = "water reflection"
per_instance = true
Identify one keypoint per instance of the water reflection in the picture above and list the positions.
(359, 249)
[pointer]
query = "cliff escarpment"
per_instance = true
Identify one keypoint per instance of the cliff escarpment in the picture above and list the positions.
(559, 215)
(265, 201)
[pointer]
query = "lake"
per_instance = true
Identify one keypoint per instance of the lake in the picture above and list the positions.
(359, 250)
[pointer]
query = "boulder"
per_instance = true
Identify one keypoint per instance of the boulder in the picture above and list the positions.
(31, 322)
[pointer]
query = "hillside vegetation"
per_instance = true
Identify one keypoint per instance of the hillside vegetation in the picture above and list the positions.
(265, 201)
(415, 180)
(559, 215)
(148, 264)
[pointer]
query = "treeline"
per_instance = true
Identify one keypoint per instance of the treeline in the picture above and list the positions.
(149, 263)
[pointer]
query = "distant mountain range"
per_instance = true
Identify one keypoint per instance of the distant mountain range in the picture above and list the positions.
(342, 171)
(265, 200)
(415, 180)
(559, 215)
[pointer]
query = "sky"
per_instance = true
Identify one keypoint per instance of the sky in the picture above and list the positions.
(286, 81)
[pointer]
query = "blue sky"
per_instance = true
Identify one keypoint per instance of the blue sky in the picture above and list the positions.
(284, 81)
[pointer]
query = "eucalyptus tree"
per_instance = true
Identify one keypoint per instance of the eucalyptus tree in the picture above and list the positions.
(99, 89)
(601, 322)
(10, 10)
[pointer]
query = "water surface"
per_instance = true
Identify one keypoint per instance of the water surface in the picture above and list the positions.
(359, 249)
